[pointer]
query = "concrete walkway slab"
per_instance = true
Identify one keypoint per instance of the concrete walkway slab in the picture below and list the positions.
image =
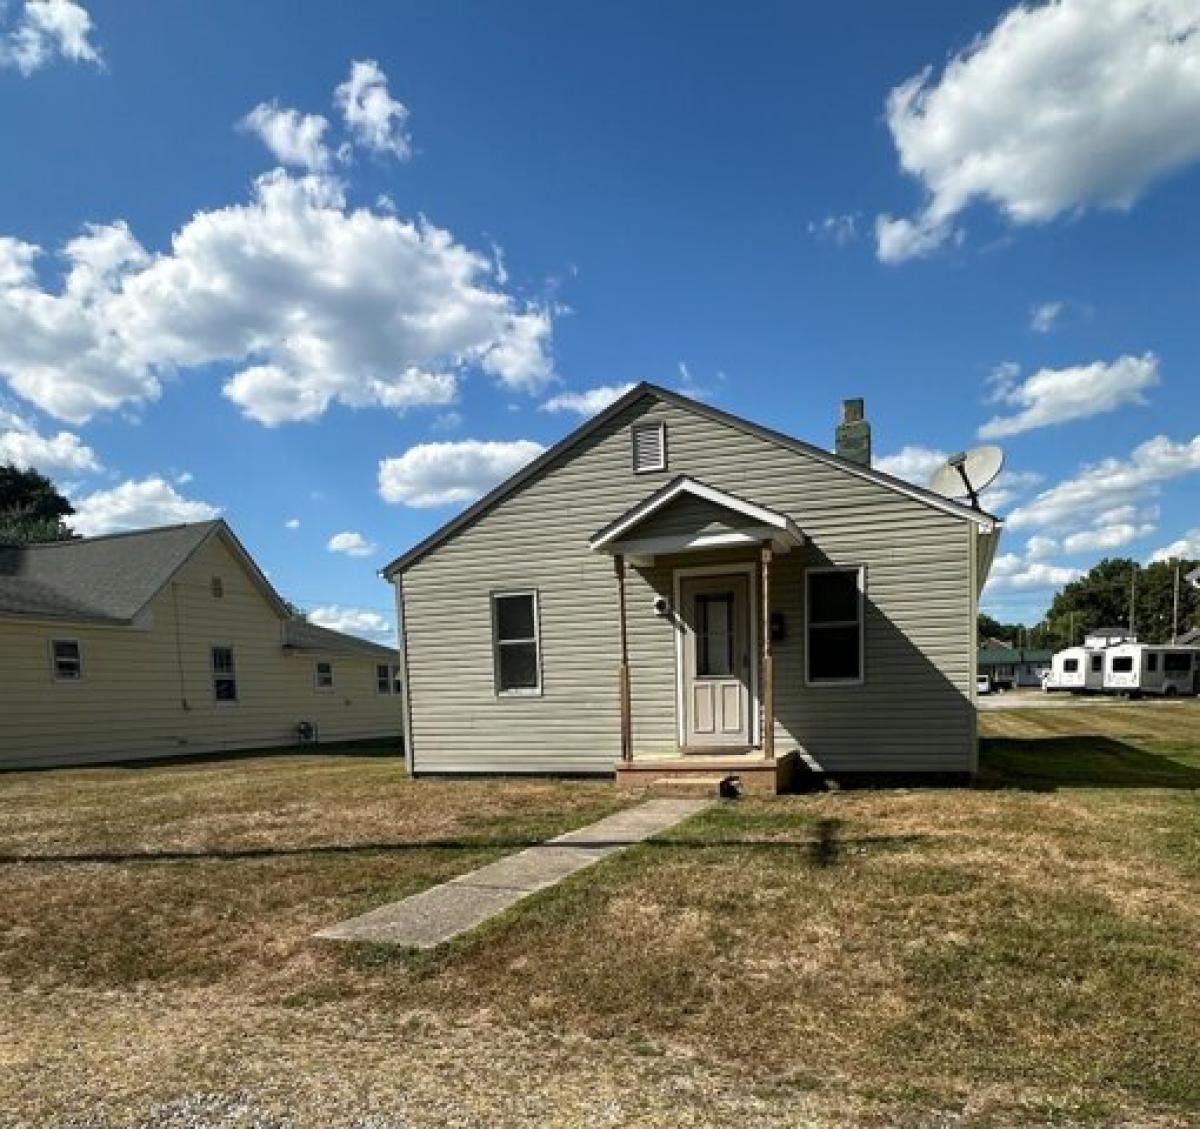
(441, 913)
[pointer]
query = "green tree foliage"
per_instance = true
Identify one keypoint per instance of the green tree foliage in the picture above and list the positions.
(1102, 599)
(31, 508)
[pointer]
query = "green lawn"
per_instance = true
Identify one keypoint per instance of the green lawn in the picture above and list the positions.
(1024, 951)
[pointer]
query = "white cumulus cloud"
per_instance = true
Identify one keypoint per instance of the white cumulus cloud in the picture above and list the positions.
(24, 446)
(1052, 396)
(1109, 490)
(374, 118)
(292, 137)
(1187, 548)
(586, 403)
(136, 504)
(1060, 107)
(44, 30)
(1010, 571)
(913, 463)
(355, 621)
(351, 543)
(319, 302)
(442, 474)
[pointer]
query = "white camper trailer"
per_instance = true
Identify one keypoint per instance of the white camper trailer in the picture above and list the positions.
(1077, 669)
(1146, 668)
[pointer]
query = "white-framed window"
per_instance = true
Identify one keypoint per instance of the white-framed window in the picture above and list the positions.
(66, 660)
(649, 443)
(516, 643)
(224, 675)
(387, 679)
(323, 675)
(834, 620)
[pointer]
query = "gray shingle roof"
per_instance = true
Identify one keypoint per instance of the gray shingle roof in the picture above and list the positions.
(304, 636)
(109, 578)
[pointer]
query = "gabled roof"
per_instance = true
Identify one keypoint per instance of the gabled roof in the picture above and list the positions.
(300, 635)
(780, 525)
(641, 392)
(108, 579)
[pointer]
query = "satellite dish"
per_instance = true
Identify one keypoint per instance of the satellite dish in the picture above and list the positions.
(968, 474)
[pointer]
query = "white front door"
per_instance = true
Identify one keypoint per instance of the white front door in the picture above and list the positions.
(715, 611)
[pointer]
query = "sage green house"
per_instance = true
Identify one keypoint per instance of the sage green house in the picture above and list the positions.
(671, 586)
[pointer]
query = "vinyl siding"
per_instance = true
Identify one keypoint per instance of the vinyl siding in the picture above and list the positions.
(147, 691)
(914, 711)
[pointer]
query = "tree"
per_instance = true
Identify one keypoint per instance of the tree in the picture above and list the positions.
(31, 508)
(1103, 598)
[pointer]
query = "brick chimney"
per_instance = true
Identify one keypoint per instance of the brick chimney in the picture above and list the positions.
(854, 434)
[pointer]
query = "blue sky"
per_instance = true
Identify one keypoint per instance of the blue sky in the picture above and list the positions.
(350, 307)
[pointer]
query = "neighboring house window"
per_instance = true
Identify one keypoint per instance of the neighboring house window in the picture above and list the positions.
(223, 675)
(649, 447)
(516, 645)
(387, 679)
(324, 676)
(217, 587)
(66, 660)
(835, 625)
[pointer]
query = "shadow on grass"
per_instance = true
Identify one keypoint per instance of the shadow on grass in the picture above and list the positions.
(1046, 764)
(823, 851)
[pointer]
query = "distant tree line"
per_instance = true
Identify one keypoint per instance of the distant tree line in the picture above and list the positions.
(1115, 591)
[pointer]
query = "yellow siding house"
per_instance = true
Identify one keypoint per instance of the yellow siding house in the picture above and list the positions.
(169, 642)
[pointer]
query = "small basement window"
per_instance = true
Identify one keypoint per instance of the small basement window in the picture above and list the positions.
(516, 643)
(323, 677)
(835, 626)
(223, 675)
(66, 660)
(649, 442)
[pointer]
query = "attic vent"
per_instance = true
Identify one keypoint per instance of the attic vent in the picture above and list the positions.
(216, 587)
(649, 447)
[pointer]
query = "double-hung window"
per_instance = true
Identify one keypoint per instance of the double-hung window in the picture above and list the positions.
(224, 676)
(516, 643)
(66, 660)
(323, 676)
(387, 679)
(834, 652)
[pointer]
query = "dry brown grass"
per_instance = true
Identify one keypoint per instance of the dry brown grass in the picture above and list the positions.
(1025, 952)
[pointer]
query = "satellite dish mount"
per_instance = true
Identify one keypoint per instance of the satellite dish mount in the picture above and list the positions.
(968, 474)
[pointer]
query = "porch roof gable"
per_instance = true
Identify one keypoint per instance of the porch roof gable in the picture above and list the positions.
(751, 523)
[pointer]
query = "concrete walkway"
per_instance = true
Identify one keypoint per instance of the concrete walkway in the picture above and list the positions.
(441, 913)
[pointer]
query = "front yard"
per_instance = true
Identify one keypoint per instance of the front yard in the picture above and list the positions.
(1024, 951)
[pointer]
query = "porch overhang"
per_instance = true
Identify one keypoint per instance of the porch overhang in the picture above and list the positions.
(743, 524)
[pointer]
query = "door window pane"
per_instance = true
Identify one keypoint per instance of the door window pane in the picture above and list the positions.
(714, 635)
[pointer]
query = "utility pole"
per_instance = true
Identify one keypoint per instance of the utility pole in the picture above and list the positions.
(1175, 607)
(1133, 601)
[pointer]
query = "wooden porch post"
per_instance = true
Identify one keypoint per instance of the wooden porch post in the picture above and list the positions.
(768, 659)
(623, 668)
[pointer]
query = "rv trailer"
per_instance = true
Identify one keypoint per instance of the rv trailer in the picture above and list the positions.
(1151, 668)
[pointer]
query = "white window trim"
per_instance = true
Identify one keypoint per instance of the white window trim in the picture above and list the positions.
(213, 674)
(317, 664)
(521, 691)
(55, 676)
(660, 426)
(822, 683)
